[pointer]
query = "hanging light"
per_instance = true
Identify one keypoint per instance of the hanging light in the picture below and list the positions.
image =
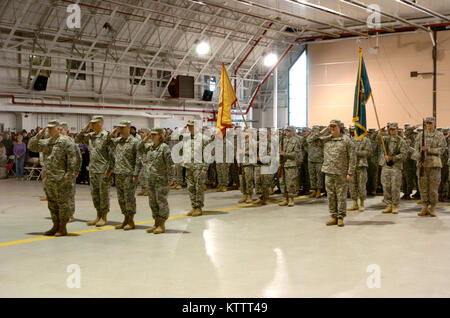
(202, 48)
(270, 59)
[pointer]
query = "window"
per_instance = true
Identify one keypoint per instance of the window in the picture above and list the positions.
(163, 77)
(210, 82)
(136, 74)
(36, 61)
(298, 92)
(75, 65)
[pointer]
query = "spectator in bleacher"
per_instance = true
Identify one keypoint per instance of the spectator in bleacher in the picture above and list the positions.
(20, 150)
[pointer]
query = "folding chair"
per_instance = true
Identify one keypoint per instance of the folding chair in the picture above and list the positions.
(10, 170)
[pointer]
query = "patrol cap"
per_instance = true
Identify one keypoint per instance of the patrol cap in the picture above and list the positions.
(157, 130)
(124, 123)
(315, 127)
(430, 120)
(53, 123)
(63, 125)
(190, 123)
(96, 119)
(335, 122)
(290, 128)
(392, 126)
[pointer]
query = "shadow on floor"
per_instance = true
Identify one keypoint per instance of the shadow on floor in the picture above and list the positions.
(42, 234)
(369, 223)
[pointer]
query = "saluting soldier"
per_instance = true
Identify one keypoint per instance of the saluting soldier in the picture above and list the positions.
(64, 129)
(195, 171)
(101, 165)
(434, 146)
(339, 166)
(126, 170)
(62, 168)
(392, 165)
(159, 175)
(290, 150)
(358, 184)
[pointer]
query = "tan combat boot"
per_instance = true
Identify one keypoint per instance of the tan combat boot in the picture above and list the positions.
(244, 198)
(122, 225)
(249, 199)
(219, 188)
(318, 193)
(312, 194)
(53, 230)
(290, 201)
(224, 189)
(161, 227)
(44, 198)
(284, 202)
(361, 205)
(270, 191)
(331, 222)
(388, 209)
(62, 231)
(174, 186)
(197, 212)
(150, 230)
(340, 222)
(102, 221)
(395, 209)
(143, 192)
(130, 224)
(71, 219)
(354, 207)
(94, 222)
(260, 201)
(424, 210)
(432, 213)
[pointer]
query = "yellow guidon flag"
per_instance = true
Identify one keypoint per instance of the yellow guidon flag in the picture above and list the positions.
(227, 100)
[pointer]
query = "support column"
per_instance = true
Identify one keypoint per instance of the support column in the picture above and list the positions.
(275, 98)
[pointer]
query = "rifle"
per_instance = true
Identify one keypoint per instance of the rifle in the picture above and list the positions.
(280, 169)
(422, 153)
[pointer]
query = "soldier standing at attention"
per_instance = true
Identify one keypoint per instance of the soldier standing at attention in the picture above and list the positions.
(126, 170)
(339, 167)
(64, 129)
(315, 161)
(392, 165)
(142, 175)
(266, 180)
(195, 171)
(159, 173)
(62, 168)
(358, 184)
(434, 146)
(222, 167)
(101, 165)
(289, 151)
(248, 171)
(409, 179)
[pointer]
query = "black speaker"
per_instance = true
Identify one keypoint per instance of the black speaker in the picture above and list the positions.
(207, 95)
(41, 83)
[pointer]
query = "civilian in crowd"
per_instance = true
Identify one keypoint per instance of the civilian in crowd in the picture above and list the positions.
(20, 150)
(7, 141)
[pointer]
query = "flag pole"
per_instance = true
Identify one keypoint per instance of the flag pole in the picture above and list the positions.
(378, 122)
(240, 109)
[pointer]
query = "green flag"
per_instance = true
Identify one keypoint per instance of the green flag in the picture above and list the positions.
(363, 91)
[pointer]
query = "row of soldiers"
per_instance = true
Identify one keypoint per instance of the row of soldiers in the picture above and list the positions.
(125, 157)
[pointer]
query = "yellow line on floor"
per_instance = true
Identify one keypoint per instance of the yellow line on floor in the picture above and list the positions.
(97, 229)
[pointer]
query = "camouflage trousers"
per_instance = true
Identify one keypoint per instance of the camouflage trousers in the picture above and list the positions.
(246, 179)
(100, 185)
(429, 185)
(58, 195)
(257, 181)
(315, 175)
(336, 186)
(289, 181)
(126, 189)
(178, 173)
(72, 198)
(391, 180)
(304, 177)
(222, 174)
(358, 184)
(234, 173)
(195, 181)
(266, 184)
(158, 191)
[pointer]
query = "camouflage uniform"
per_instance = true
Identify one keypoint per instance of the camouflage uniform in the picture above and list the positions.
(358, 182)
(126, 165)
(429, 183)
(339, 161)
(61, 164)
(391, 177)
(409, 169)
(101, 162)
(373, 170)
(289, 174)
(302, 142)
(266, 180)
(248, 171)
(196, 171)
(158, 168)
(315, 159)
(223, 167)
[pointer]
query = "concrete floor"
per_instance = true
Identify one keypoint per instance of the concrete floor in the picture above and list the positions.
(233, 251)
